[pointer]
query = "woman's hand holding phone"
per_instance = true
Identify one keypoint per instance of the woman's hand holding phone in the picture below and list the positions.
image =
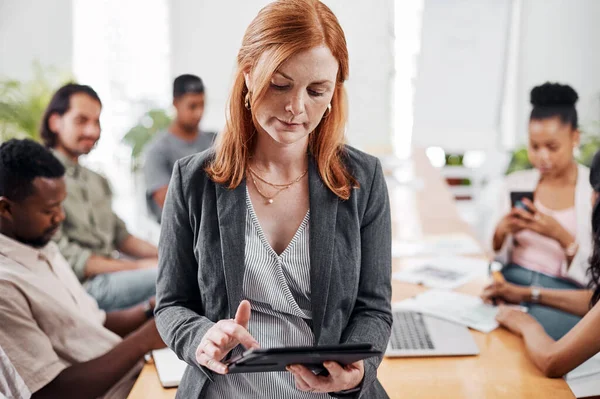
(539, 222)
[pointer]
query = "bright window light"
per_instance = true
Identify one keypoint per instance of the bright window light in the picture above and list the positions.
(474, 159)
(407, 31)
(437, 156)
(121, 49)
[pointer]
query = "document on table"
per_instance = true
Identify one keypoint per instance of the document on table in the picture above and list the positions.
(444, 272)
(443, 244)
(584, 381)
(459, 308)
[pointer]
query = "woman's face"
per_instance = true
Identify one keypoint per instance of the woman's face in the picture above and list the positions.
(298, 95)
(551, 144)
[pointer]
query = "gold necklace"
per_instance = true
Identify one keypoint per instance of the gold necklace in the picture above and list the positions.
(277, 185)
(281, 187)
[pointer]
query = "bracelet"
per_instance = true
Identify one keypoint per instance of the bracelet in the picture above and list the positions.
(148, 310)
(571, 249)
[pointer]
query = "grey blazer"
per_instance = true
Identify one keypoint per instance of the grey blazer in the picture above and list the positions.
(201, 263)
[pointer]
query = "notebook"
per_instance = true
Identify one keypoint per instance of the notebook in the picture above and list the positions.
(169, 367)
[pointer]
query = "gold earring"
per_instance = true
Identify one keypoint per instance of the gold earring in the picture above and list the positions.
(247, 101)
(327, 111)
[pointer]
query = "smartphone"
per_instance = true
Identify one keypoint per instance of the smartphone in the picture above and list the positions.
(516, 199)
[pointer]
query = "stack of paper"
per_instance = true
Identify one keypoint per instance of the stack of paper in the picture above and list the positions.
(169, 367)
(445, 244)
(442, 272)
(459, 308)
(584, 381)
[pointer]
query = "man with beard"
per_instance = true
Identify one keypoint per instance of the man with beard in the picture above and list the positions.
(58, 341)
(183, 138)
(93, 238)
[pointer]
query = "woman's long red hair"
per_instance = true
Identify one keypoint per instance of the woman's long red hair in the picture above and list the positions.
(284, 28)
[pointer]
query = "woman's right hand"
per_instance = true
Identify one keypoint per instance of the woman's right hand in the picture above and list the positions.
(511, 223)
(503, 292)
(225, 335)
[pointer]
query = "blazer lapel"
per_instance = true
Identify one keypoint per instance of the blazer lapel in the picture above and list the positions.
(323, 213)
(231, 212)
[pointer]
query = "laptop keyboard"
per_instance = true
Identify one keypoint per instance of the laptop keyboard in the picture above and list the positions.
(410, 332)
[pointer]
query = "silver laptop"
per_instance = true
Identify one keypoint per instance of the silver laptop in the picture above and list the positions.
(415, 334)
(169, 367)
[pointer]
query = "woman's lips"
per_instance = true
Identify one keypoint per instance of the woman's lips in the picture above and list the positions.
(289, 125)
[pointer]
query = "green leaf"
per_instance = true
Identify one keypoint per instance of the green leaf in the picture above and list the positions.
(151, 123)
(23, 103)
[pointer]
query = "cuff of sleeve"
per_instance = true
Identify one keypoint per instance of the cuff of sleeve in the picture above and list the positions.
(121, 236)
(193, 348)
(45, 375)
(368, 378)
(80, 263)
(503, 254)
(348, 393)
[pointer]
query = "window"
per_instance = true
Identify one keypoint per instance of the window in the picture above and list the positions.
(121, 49)
(407, 43)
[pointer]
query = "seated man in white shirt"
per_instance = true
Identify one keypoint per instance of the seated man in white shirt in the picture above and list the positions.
(57, 339)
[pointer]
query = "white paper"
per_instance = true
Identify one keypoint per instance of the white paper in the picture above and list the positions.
(585, 386)
(169, 367)
(591, 366)
(444, 244)
(459, 308)
(442, 272)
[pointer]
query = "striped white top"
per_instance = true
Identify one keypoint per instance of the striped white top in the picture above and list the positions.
(278, 288)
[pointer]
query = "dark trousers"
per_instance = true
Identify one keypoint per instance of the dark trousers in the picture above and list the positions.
(556, 322)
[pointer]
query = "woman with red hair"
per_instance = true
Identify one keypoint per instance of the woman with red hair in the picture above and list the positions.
(281, 235)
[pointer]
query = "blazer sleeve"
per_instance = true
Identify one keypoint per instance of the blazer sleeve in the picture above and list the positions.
(178, 300)
(371, 318)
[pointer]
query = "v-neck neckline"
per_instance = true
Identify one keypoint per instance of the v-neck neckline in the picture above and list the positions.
(263, 237)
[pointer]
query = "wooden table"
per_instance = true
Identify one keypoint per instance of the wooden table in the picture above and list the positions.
(502, 370)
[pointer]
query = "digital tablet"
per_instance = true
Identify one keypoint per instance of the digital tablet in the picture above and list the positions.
(277, 359)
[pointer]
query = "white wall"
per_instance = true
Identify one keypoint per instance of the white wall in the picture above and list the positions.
(556, 40)
(460, 73)
(560, 41)
(206, 35)
(33, 29)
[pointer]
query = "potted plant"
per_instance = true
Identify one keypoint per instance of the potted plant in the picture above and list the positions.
(152, 122)
(590, 143)
(456, 160)
(22, 104)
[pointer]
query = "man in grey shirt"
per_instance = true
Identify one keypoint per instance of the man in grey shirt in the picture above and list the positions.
(183, 138)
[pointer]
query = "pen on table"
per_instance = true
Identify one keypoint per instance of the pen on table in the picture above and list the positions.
(496, 273)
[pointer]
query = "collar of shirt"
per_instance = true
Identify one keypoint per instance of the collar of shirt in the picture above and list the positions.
(26, 255)
(73, 169)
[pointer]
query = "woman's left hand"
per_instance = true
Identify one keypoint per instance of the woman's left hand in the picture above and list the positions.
(540, 222)
(340, 378)
(513, 319)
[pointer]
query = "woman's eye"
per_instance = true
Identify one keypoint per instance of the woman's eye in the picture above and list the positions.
(278, 87)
